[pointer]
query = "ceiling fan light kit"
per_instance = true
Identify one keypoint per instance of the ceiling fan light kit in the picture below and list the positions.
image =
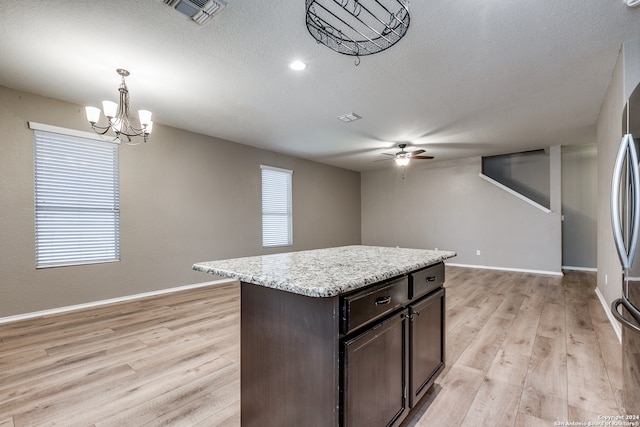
(402, 158)
(357, 27)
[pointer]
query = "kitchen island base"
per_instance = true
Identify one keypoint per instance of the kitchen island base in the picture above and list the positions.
(364, 358)
(289, 358)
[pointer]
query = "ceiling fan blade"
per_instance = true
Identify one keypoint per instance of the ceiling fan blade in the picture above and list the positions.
(423, 157)
(415, 153)
(382, 160)
(387, 154)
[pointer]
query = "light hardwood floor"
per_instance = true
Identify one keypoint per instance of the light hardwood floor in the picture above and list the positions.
(522, 350)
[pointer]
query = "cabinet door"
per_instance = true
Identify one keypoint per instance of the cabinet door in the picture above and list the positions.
(374, 370)
(426, 343)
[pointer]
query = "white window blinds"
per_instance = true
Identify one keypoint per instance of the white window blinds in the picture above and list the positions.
(77, 200)
(276, 207)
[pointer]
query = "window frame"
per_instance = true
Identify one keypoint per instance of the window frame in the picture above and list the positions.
(285, 209)
(71, 244)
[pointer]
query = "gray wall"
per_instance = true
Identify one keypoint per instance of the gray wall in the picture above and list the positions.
(579, 206)
(625, 77)
(185, 198)
(448, 206)
(527, 173)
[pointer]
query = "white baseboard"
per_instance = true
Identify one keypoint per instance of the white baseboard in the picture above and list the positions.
(571, 268)
(614, 323)
(520, 270)
(93, 304)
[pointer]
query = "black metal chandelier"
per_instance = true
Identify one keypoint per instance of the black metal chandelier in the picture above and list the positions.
(357, 27)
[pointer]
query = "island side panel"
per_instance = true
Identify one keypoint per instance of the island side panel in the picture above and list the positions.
(289, 359)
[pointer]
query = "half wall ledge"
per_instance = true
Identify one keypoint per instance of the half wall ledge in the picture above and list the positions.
(515, 193)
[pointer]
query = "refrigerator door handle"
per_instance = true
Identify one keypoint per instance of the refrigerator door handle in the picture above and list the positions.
(635, 202)
(635, 313)
(626, 146)
(615, 204)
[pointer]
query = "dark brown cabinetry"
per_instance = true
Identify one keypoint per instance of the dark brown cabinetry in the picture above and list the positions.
(359, 359)
(426, 344)
(388, 365)
(375, 364)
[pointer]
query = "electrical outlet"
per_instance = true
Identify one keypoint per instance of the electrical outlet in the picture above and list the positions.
(478, 252)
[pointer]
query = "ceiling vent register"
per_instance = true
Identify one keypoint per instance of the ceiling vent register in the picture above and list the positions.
(200, 11)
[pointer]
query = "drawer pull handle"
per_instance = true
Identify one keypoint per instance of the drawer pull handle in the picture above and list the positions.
(431, 279)
(383, 300)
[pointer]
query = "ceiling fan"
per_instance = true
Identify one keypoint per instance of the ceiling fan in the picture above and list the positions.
(402, 157)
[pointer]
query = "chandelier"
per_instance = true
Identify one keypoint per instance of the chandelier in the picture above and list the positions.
(118, 116)
(357, 27)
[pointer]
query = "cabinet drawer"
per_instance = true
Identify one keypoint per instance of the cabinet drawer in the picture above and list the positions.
(371, 304)
(426, 280)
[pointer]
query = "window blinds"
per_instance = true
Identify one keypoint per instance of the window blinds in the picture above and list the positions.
(77, 200)
(276, 207)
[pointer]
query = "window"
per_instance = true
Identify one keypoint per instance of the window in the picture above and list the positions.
(77, 199)
(276, 207)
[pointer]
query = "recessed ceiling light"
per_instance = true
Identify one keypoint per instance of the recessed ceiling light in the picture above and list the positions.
(297, 65)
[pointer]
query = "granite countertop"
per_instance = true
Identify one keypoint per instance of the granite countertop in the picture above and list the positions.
(325, 272)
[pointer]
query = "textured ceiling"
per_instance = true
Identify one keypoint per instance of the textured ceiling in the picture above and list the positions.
(469, 78)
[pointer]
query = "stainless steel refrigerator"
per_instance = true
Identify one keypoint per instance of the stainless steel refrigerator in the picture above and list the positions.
(625, 215)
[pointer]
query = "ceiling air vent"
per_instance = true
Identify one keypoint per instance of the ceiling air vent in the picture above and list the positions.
(349, 117)
(198, 10)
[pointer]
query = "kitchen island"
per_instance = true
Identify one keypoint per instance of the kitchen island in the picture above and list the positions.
(342, 336)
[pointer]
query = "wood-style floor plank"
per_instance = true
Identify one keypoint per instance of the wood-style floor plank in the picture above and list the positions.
(522, 350)
(449, 400)
(544, 394)
(484, 347)
(495, 404)
(609, 347)
(589, 386)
